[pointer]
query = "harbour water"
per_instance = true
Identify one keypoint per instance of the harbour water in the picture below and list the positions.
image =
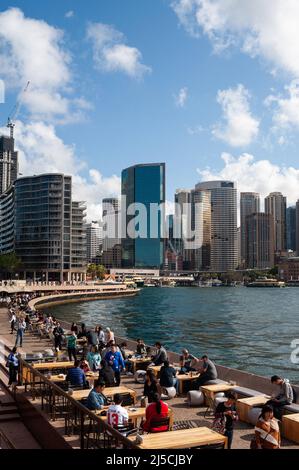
(249, 329)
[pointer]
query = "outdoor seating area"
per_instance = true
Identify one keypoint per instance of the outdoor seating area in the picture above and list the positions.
(192, 399)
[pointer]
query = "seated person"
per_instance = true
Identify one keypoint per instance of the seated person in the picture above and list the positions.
(84, 365)
(154, 412)
(96, 399)
(208, 372)
(140, 348)
(150, 385)
(128, 364)
(168, 376)
(117, 415)
(94, 359)
(83, 333)
(76, 376)
(106, 374)
(161, 355)
(285, 396)
(186, 360)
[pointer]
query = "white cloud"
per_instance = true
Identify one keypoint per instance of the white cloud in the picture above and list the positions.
(286, 108)
(70, 14)
(260, 28)
(261, 176)
(195, 130)
(41, 150)
(32, 50)
(239, 128)
(111, 54)
(181, 98)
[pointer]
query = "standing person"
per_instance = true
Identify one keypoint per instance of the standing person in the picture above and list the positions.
(13, 365)
(75, 328)
(267, 434)
(21, 327)
(208, 372)
(115, 359)
(161, 355)
(94, 359)
(72, 346)
(117, 415)
(150, 385)
(168, 376)
(101, 336)
(226, 412)
(92, 337)
(109, 336)
(285, 396)
(58, 333)
(12, 322)
(83, 332)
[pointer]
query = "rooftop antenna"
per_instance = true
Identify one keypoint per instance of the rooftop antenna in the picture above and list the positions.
(15, 111)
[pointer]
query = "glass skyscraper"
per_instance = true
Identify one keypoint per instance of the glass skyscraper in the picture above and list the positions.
(142, 184)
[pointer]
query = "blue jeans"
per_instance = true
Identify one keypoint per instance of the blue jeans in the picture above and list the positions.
(229, 434)
(20, 334)
(176, 384)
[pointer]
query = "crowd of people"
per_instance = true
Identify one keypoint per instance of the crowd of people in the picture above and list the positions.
(96, 350)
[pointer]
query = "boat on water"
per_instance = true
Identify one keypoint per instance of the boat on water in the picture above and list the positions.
(138, 281)
(265, 282)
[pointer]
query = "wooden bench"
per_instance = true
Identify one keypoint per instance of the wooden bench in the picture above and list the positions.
(290, 427)
(244, 405)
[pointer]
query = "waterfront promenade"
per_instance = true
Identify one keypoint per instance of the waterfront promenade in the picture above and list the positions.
(182, 412)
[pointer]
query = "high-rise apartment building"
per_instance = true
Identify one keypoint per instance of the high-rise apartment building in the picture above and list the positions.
(249, 204)
(276, 205)
(111, 223)
(41, 223)
(224, 246)
(143, 192)
(291, 228)
(297, 227)
(8, 163)
(259, 241)
(94, 240)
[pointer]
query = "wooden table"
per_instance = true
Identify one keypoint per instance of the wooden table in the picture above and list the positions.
(182, 378)
(108, 392)
(156, 370)
(244, 405)
(52, 365)
(139, 362)
(210, 391)
(182, 439)
(290, 427)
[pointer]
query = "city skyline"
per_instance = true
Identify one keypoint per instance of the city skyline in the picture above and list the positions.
(106, 93)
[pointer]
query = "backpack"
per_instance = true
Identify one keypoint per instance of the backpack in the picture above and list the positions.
(294, 395)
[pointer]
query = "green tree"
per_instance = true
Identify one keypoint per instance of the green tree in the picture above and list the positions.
(96, 271)
(9, 263)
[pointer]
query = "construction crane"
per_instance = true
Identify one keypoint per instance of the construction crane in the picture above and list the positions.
(15, 111)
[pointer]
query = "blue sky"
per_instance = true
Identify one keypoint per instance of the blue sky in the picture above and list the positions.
(129, 112)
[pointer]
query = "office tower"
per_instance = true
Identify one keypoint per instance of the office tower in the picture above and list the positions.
(143, 192)
(259, 241)
(182, 220)
(111, 223)
(8, 163)
(173, 246)
(297, 227)
(45, 228)
(201, 225)
(249, 204)
(94, 240)
(276, 204)
(291, 228)
(224, 248)
(7, 221)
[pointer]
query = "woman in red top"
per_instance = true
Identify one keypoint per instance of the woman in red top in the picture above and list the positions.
(154, 412)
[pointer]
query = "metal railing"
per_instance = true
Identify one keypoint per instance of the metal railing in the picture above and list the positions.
(92, 431)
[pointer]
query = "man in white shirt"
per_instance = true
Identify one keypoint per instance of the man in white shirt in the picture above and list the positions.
(117, 415)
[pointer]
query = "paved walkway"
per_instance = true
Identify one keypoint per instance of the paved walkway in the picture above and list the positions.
(182, 412)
